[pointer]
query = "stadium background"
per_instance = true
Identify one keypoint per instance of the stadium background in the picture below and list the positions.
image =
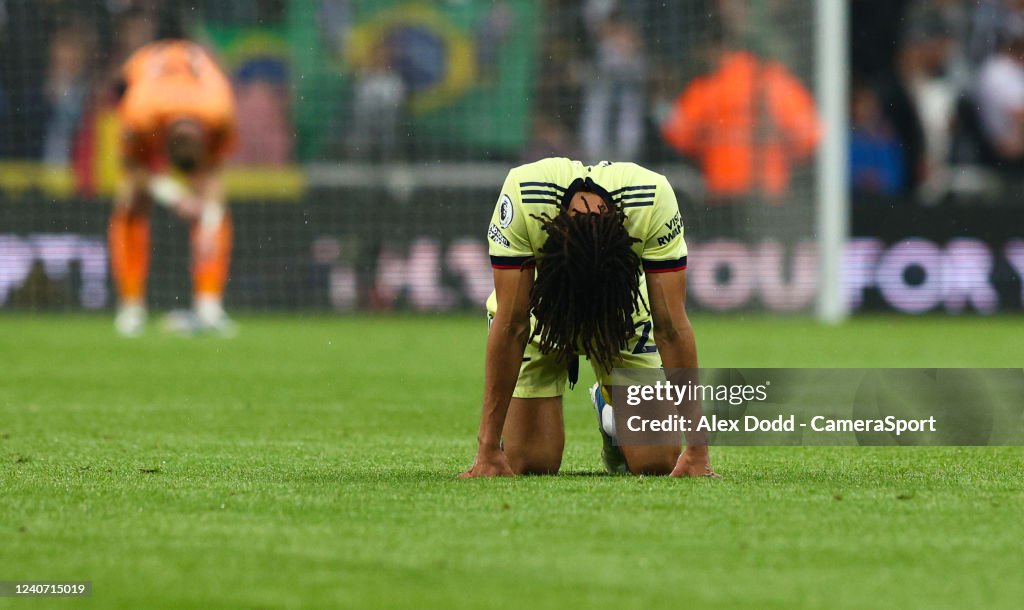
(375, 136)
(311, 461)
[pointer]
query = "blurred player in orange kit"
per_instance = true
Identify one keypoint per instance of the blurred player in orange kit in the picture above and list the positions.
(178, 114)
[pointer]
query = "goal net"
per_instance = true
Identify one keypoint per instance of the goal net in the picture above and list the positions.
(374, 136)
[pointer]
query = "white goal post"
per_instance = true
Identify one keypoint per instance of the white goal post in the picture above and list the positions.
(832, 193)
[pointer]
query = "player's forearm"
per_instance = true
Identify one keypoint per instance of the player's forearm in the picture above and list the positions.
(678, 349)
(506, 343)
(677, 345)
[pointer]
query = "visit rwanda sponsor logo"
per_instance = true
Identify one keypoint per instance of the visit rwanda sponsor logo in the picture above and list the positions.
(495, 235)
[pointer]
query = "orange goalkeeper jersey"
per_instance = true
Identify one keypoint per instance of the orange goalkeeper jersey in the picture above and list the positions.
(171, 80)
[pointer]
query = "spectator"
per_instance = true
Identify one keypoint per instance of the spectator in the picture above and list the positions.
(377, 108)
(135, 28)
(4, 127)
(558, 84)
(489, 35)
(613, 98)
(66, 87)
(989, 20)
(920, 104)
(549, 139)
(953, 19)
(876, 159)
(760, 27)
(746, 123)
(23, 64)
(1000, 98)
(4, 121)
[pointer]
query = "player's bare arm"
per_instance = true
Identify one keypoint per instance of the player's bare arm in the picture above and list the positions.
(203, 199)
(506, 343)
(678, 348)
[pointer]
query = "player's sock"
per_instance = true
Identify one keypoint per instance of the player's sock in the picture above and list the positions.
(129, 260)
(611, 455)
(211, 257)
(129, 254)
(607, 416)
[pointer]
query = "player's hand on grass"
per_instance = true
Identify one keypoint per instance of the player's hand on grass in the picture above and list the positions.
(694, 462)
(492, 463)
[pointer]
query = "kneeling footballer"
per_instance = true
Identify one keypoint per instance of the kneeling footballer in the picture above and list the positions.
(588, 260)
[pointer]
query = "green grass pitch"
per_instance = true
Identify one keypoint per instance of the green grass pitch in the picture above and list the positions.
(311, 462)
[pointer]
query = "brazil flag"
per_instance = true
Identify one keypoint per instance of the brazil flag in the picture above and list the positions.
(465, 69)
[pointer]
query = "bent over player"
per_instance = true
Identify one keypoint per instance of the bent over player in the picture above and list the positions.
(590, 260)
(178, 113)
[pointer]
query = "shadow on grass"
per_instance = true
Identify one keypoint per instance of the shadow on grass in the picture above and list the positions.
(424, 475)
(591, 474)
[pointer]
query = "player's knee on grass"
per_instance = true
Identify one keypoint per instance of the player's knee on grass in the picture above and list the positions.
(651, 460)
(534, 435)
(534, 460)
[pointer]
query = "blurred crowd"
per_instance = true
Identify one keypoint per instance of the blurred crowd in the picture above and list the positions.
(721, 84)
(936, 96)
(56, 58)
(60, 63)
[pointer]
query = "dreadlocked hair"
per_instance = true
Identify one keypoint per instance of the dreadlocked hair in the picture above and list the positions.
(587, 286)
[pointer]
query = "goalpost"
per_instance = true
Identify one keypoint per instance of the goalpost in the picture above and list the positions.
(833, 200)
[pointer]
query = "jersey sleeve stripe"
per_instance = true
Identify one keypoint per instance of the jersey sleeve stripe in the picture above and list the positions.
(643, 187)
(637, 204)
(551, 185)
(635, 196)
(550, 193)
(547, 201)
(511, 262)
(677, 264)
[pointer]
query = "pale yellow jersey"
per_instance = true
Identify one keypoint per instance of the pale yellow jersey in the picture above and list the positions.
(515, 238)
(516, 234)
(545, 187)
